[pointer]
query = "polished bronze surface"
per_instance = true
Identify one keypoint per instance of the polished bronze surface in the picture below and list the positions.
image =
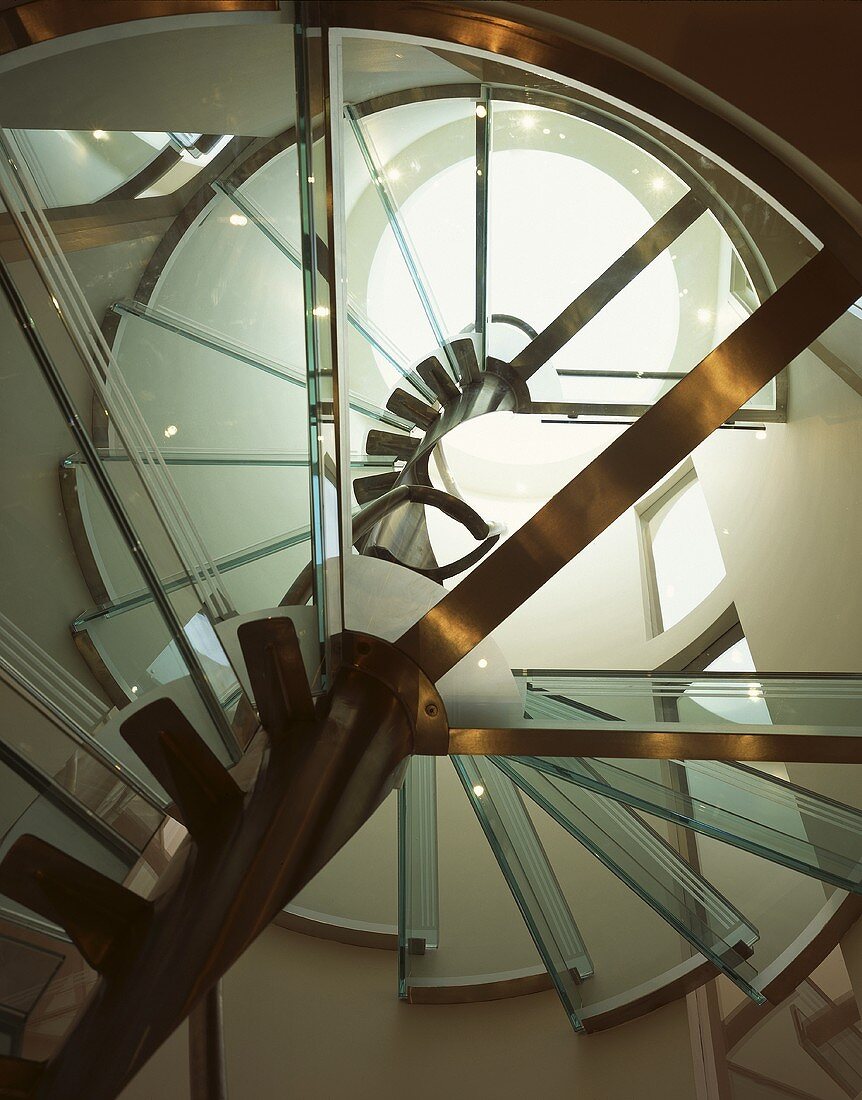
(207, 1071)
(19, 1077)
(411, 493)
(651, 744)
(32, 21)
(440, 573)
(87, 563)
(102, 918)
(144, 179)
(817, 942)
(729, 376)
(815, 949)
(369, 488)
(460, 993)
(88, 649)
(691, 975)
(411, 408)
(206, 799)
(431, 372)
(407, 682)
(327, 769)
(390, 443)
(382, 505)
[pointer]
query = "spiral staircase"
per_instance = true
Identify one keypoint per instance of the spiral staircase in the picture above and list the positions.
(263, 505)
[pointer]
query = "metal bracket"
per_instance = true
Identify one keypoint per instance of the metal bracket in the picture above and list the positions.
(405, 679)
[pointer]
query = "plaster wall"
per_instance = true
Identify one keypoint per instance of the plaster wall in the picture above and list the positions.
(329, 1016)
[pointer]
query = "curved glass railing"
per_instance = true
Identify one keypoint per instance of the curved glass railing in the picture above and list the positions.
(62, 783)
(77, 167)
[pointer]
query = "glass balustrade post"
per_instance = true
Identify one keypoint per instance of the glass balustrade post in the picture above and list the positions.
(418, 899)
(324, 331)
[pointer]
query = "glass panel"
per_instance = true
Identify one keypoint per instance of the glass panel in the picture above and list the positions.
(423, 159)
(250, 548)
(734, 804)
(381, 285)
(25, 811)
(640, 857)
(592, 195)
(519, 852)
(80, 166)
(50, 568)
(808, 703)
(418, 901)
(359, 322)
(51, 749)
(324, 330)
(73, 167)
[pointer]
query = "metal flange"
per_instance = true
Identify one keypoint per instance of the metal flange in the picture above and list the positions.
(408, 683)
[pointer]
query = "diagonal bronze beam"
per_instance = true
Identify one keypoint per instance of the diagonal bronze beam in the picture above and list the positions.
(608, 285)
(650, 743)
(719, 386)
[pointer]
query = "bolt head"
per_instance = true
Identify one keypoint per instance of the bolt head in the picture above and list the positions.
(431, 710)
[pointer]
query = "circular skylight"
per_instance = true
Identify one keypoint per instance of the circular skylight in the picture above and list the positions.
(555, 222)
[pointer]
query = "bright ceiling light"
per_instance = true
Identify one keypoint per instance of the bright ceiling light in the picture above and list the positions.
(478, 790)
(481, 110)
(100, 135)
(238, 219)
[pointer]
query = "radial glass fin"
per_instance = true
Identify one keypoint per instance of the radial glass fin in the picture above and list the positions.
(521, 857)
(646, 863)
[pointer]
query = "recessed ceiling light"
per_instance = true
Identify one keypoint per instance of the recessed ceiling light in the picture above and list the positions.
(238, 219)
(100, 135)
(478, 790)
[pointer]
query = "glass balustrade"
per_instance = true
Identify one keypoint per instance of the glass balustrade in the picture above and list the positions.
(808, 704)
(418, 878)
(65, 785)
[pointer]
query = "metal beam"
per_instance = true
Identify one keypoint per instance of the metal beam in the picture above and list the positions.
(636, 461)
(645, 742)
(608, 285)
